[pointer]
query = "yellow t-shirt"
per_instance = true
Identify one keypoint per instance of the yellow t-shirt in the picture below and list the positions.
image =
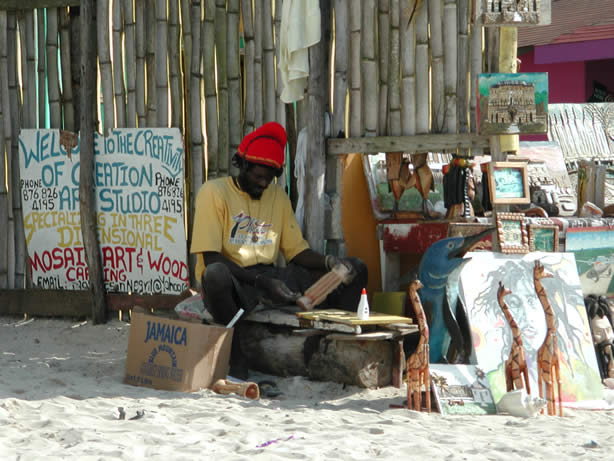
(244, 230)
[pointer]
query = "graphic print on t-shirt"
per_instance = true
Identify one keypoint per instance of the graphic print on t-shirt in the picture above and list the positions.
(249, 231)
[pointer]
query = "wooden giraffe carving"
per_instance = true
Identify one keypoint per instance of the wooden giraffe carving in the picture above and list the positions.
(516, 363)
(548, 368)
(418, 372)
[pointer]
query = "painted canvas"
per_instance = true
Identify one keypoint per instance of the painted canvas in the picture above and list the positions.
(491, 333)
(513, 103)
(461, 390)
(593, 248)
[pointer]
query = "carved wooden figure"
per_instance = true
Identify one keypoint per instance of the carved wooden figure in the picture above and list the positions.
(548, 368)
(516, 363)
(418, 372)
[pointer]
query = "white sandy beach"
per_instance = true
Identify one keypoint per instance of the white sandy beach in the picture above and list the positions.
(61, 386)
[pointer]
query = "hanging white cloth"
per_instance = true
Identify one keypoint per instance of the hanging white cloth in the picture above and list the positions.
(300, 162)
(300, 29)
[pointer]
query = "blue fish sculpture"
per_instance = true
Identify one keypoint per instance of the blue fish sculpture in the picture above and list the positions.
(441, 263)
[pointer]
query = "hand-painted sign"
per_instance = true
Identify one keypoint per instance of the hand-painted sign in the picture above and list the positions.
(138, 181)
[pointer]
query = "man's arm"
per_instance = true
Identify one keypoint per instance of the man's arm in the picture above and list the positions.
(310, 259)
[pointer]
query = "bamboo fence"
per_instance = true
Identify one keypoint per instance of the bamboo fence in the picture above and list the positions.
(210, 68)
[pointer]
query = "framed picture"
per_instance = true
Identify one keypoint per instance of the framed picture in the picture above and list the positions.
(544, 237)
(508, 183)
(512, 233)
(512, 103)
(461, 390)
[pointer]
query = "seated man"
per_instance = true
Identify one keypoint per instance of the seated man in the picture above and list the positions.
(242, 223)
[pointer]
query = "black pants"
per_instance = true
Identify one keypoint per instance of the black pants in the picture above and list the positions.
(223, 294)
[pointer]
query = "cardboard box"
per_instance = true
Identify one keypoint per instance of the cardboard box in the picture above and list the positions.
(176, 355)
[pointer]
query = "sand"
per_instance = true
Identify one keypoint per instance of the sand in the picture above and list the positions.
(61, 387)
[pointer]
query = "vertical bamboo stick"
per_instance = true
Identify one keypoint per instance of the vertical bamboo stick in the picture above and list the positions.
(75, 63)
(258, 83)
(462, 90)
(42, 80)
(492, 49)
(422, 69)
(356, 119)
(118, 68)
(235, 99)
(104, 60)
(368, 68)
(161, 64)
(342, 44)
(268, 63)
(383, 38)
(196, 138)
(508, 63)
(450, 64)
(67, 101)
(221, 31)
(250, 66)
(476, 69)
(394, 74)
(53, 82)
(437, 83)
(174, 65)
(141, 108)
(211, 114)
(186, 34)
(127, 9)
(29, 72)
(408, 68)
(7, 248)
(16, 121)
(280, 115)
(150, 63)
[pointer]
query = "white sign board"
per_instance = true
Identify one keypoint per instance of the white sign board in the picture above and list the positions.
(139, 186)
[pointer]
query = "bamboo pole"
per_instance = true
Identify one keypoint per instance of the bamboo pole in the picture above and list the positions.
(235, 99)
(476, 69)
(280, 115)
(174, 65)
(7, 250)
(53, 82)
(250, 66)
(450, 64)
(104, 60)
(68, 107)
(29, 72)
(508, 49)
(21, 25)
(368, 68)
(150, 64)
(383, 38)
(268, 63)
(356, 119)
(42, 81)
(407, 38)
(437, 66)
(140, 85)
(86, 157)
(422, 70)
(342, 44)
(161, 72)
(492, 49)
(186, 34)
(221, 31)
(118, 68)
(211, 116)
(127, 10)
(462, 88)
(258, 83)
(196, 138)
(14, 185)
(75, 63)
(394, 74)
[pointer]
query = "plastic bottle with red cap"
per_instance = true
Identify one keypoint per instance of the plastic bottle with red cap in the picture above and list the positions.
(363, 306)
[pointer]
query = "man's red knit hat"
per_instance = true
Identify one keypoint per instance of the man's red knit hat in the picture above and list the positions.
(265, 146)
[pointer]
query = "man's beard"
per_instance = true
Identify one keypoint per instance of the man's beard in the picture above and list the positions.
(254, 193)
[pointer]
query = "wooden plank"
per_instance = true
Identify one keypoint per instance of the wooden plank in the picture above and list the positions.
(371, 336)
(350, 318)
(277, 317)
(74, 303)
(417, 143)
(31, 4)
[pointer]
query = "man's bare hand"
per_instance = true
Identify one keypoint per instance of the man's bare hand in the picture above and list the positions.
(277, 290)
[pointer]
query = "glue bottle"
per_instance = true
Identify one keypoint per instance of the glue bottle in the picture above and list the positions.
(363, 306)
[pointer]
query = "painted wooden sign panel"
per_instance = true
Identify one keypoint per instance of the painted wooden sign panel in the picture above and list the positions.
(593, 248)
(138, 180)
(514, 12)
(513, 103)
(492, 335)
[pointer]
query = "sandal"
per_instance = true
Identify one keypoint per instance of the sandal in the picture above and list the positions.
(269, 389)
